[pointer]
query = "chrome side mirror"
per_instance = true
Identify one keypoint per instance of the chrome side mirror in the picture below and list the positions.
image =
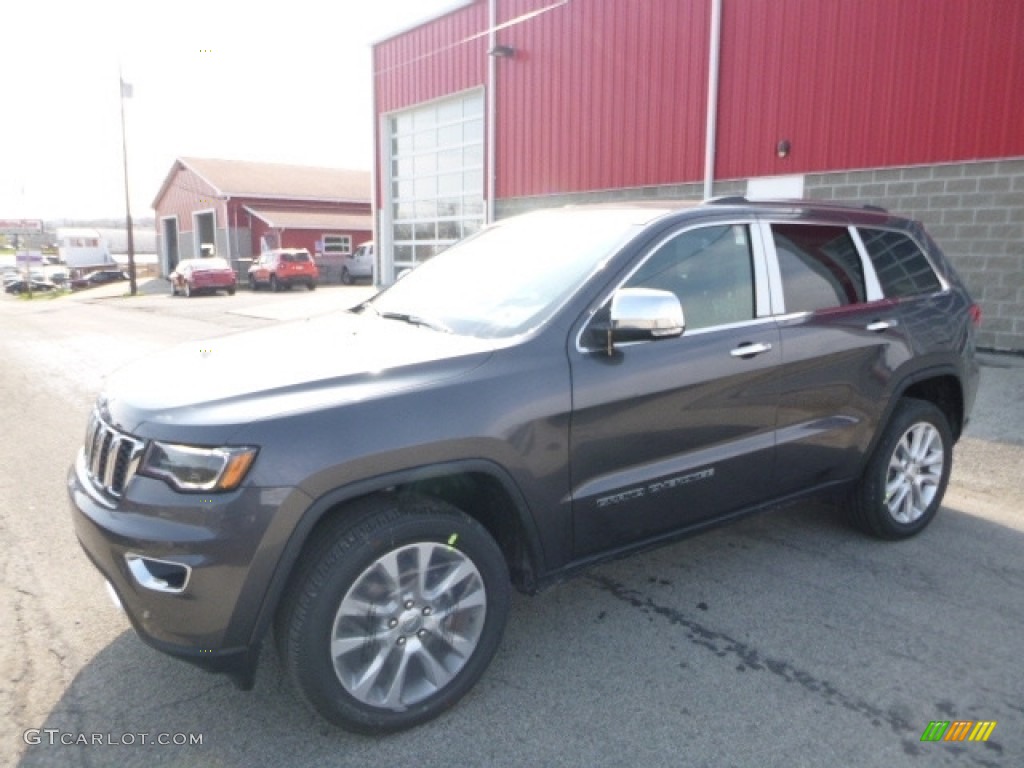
(644, 313)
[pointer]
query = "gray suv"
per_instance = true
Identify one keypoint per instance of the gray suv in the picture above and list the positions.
(489, 422)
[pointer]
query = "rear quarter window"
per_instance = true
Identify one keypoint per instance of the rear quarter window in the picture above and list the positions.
(903, 269)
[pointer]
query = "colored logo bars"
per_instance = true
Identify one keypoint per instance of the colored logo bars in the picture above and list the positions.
(958, 730)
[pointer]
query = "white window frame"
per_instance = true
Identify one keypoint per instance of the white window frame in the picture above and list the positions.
(346, 244)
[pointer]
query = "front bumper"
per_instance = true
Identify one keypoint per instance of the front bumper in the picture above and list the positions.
(191, 571)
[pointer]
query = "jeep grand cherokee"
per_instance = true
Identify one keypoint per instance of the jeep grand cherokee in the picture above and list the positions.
(493, 420)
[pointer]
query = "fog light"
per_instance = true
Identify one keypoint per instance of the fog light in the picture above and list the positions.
(158, 575)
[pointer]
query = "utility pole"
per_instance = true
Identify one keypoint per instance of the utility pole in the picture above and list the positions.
(126, 93)
(28, 265)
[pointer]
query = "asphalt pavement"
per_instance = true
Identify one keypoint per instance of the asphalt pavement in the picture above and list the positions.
(784, 640)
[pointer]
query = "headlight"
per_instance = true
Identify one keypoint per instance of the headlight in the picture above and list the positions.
(189, 468)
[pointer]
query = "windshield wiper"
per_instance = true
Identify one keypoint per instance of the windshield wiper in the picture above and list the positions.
(435, 325)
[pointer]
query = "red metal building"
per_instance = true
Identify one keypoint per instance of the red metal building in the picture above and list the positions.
(237, 209)
(502, 105)
(600, 94)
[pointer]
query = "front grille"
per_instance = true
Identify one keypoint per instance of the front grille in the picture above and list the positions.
(111, 457)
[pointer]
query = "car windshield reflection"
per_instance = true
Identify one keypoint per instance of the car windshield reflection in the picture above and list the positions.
(511, 277)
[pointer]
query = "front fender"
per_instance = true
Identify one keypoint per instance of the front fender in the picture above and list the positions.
(337, 498)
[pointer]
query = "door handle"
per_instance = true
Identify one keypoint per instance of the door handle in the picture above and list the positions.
(749, 350)
(879, 325)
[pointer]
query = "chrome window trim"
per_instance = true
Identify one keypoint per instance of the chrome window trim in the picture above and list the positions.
(778, 301)
(690, 334)
(872, 287)
(762, 280)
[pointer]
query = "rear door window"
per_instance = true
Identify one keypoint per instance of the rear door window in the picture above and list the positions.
(903, 269)
(819, 265)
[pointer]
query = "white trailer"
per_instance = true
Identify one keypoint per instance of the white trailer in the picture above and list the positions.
(83, 248)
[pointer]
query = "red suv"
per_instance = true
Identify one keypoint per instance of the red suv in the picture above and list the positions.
(283, 268)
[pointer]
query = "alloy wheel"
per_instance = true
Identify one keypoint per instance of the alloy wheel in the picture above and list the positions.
(915, 473)
(408, 625)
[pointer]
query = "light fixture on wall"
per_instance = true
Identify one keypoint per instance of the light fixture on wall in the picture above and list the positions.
(502, 51)
(782, 148)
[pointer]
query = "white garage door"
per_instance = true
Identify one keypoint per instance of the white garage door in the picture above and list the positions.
(436, 163)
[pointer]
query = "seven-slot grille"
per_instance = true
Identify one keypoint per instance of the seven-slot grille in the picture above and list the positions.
(111, 457)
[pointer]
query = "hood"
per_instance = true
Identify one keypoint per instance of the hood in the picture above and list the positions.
(297, 366)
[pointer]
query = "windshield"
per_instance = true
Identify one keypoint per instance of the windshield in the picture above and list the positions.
(210, 263)
(510, 277)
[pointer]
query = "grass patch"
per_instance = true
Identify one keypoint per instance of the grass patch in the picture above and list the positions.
(44, 295)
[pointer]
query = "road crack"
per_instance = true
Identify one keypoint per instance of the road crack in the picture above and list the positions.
(723, 645)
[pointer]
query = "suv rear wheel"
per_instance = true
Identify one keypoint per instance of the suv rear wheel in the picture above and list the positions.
(907, 475)
(394, 614)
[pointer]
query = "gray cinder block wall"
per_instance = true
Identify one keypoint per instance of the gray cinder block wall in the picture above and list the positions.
(975, 211)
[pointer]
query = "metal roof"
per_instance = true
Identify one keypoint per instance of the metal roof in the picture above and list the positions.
(241, 178)
(289, 218)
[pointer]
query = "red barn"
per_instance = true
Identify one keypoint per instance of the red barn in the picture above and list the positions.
(499, 106)
(237, 209)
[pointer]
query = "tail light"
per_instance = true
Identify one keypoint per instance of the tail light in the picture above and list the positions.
(975, 314)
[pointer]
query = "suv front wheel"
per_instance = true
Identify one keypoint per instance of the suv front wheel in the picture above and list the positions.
(395, 612)
(906, 478)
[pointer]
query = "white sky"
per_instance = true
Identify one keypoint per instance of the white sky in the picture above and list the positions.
(281, 81)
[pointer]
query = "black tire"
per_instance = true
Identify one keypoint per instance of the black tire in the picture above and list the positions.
(311, 286)
(346, 276)
(904, 481)
(274, 285)
(231, 291)
(253, 285)
(344, 568)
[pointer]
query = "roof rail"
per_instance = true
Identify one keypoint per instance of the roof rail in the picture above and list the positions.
(741, 200)
(727, 200)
